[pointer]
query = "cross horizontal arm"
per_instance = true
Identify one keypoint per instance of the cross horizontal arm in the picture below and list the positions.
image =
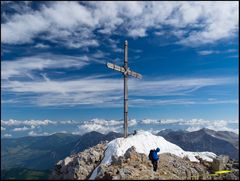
(115, 67)
(134, 74)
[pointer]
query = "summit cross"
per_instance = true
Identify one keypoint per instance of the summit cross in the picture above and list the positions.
(126, 71)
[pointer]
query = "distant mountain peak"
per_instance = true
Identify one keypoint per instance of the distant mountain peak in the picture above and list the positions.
(205, 139)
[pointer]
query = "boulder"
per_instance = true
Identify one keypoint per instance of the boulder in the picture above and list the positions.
(131, 153)
(219, 163)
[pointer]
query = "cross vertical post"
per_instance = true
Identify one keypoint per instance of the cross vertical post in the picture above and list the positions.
(125, 71)
(125, 89)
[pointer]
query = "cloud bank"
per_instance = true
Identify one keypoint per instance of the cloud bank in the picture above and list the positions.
(42, 127)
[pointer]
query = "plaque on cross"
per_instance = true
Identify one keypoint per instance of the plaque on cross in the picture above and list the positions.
(125, 71)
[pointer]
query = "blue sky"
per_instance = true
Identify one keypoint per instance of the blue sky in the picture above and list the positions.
(54, 54)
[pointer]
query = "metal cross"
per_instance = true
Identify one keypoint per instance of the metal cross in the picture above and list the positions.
(126, 71)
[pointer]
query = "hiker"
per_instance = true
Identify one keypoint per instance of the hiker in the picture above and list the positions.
(153, 156)
(135, 132)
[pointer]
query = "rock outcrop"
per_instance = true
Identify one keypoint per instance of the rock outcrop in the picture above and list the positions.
(79, 166)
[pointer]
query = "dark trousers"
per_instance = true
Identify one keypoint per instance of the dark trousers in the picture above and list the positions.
(155, 165)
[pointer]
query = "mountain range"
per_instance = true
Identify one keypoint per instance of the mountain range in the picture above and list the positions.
(218, 142)
(42, 152)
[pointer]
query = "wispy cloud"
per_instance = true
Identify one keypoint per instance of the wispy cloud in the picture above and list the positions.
(176, 86)
(114, 45)
(7, 135)
(209, 52)
(32, 133)
(12, 122)
(106, 91)
(233, 56)
(63, 22)
(41, 45)
(159, 102)
(24, 128)
(23, 67)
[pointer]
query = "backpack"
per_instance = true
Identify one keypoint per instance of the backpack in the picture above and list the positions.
(150, 155)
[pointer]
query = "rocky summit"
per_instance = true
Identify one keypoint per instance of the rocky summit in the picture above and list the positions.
(79, 166)
(133, 165)
(170, 167)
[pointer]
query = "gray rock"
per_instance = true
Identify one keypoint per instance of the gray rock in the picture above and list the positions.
(117, 160)
(219, 163)
(130, 152)
(78, 166)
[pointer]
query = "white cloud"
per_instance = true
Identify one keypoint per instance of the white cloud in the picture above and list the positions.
(41, 45)
(99, 125)
(23, 28)
(225, 128)
(174, 86)
(69, 122)
(21, 129)
(114, 45)
(3, 129)
(95, 127)
(103, 126)
(208, 52)
(171, 121)
(59, 21)
(165, 121)
(233, 56)
(105, 91)
(64, 22)
(137, 32)
(32, 133)
(193, 128)
(202, 122)
(12, 122)
(151, 130)
(7, 135)
(150, 121)
(220, 21)
(132, 122)
(160, 33)
(196, 124)
(24, 128)
(215, 128)
(159, 102)
(24, 66)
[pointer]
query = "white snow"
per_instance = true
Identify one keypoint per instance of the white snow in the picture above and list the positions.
(144, 141)
(208, 156)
